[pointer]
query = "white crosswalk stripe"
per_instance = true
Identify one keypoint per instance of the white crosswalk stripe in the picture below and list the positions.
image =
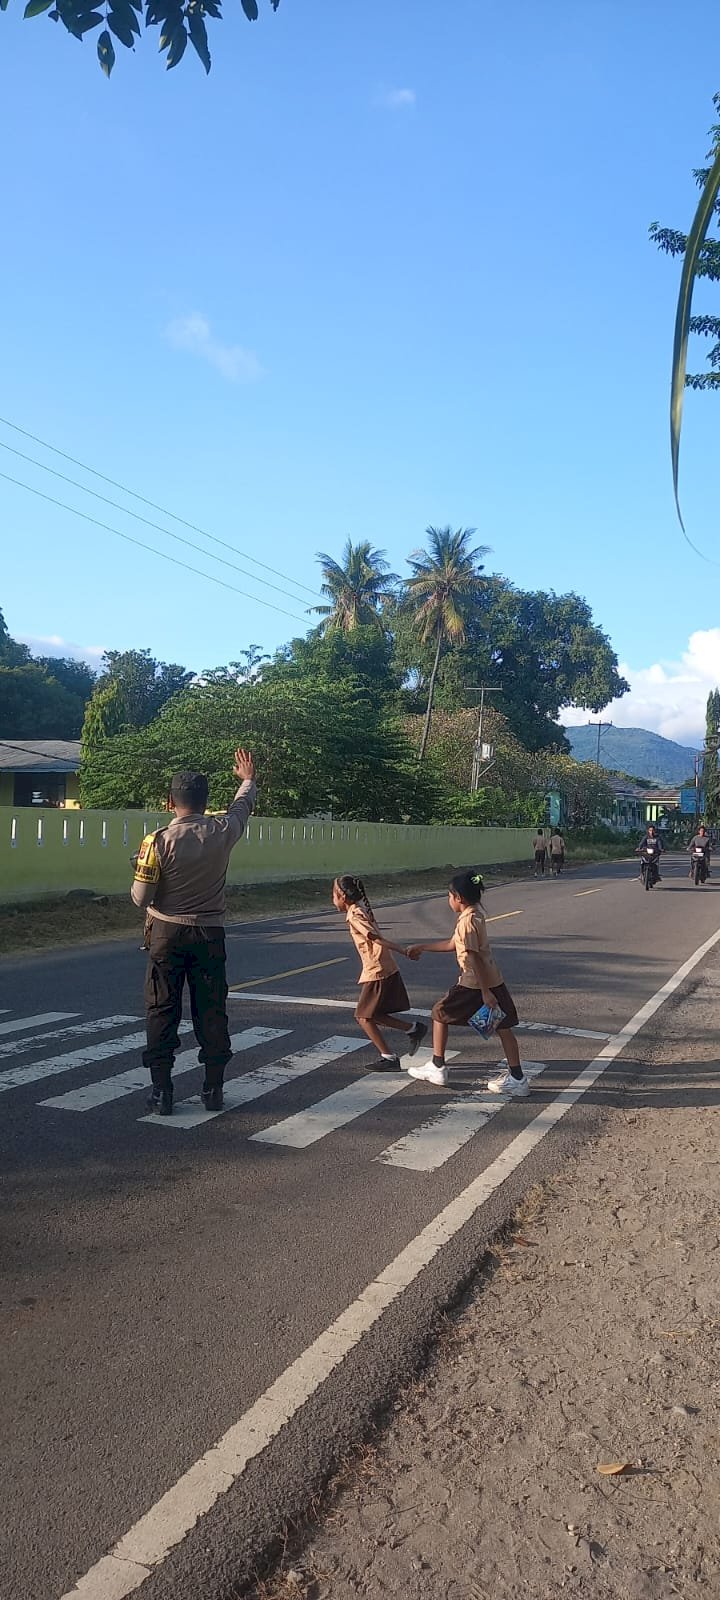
(17, 1047)
(424, 1148)
(306, 1127)
(92, 1095)
(240, 1091)
(38, 1021)
(15, 1077)
(429, 1146)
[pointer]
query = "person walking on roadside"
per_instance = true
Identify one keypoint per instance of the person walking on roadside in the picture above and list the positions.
(540, 853)
(480, 983)
(180, 880)
(383, 992)
(557, 852)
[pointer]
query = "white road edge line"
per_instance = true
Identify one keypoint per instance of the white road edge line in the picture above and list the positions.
(147, 1544)
(417, 1011)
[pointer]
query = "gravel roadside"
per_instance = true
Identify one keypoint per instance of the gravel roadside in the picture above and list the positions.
(589, 1340)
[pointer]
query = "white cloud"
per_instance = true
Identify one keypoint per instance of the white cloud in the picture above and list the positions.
(667, 697)
(194, 333)
(52, 645)
(397, 99)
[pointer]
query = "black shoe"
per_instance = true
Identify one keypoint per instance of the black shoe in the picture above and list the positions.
(388, 1064)
(415, 1038)
(212, 1099)
(161, 1102)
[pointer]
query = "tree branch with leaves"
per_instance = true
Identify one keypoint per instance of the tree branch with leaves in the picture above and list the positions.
(180, 22)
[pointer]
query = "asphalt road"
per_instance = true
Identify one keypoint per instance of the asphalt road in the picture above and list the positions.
(157, 1277)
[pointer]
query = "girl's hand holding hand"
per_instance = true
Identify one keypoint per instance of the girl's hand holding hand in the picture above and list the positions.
(414, 952)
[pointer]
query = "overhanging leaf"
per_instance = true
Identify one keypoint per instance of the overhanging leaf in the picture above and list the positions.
(121, 29)
(36, 7)
(106, 53)
(696, 239)
(198, 37)
(178, 46)
(250, 9)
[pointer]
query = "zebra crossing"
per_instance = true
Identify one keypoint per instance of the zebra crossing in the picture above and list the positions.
(424, 1147)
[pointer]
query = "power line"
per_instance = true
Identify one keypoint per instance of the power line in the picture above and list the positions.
(197, 572)
(148, 524)
(194, 528)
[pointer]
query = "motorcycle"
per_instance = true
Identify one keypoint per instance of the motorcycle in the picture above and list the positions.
(698, 861)
(649, 870)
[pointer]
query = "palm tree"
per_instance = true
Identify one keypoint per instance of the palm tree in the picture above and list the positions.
(445, 579)
(356, 587)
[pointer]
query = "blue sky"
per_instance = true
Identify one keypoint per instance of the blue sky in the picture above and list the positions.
(386, 266)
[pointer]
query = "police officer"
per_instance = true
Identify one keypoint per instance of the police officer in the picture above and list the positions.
(180, 880)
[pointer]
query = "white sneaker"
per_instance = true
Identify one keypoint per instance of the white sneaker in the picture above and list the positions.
(514, 1088)
(429, 1073)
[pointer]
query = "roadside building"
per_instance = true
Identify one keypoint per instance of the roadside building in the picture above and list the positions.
(40, 772)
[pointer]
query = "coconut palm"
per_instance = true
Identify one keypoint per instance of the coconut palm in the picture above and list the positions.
(445, 580)
(355, 587)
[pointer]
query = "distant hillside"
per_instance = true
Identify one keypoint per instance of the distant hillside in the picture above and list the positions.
(634, 750)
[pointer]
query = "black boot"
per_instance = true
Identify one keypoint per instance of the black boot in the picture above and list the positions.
(161, 1101)
(212, 1099)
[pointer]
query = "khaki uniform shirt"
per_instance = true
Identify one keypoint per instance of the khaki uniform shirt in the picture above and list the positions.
(377, 962)
(540, 842)
(478, 967)
(557, 844)
(181, 869)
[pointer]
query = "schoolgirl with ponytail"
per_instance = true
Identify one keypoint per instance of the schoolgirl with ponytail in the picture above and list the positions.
(480, 983)
(383, 992)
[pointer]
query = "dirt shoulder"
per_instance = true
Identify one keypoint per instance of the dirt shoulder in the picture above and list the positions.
(88, 919)
(589, 1339)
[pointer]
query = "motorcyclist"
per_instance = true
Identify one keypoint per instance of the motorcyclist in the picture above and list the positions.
(701, 841)
(652, 847)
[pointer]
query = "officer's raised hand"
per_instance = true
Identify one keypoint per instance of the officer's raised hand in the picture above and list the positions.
(244, 768)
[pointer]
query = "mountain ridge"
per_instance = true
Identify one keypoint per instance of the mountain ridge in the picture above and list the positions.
(637, 751)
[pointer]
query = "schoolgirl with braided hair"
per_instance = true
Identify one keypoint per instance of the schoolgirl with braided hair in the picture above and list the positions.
(480, 983)
(382, 992)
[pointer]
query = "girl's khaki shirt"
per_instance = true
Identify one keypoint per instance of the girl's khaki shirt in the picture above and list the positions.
(478, 967)
(377, 962)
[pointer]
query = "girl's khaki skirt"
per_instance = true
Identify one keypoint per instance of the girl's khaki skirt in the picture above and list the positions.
(382, 998)
(460, 1004)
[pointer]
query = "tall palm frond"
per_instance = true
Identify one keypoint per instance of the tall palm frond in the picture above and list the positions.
(445, 579)
(355, 587)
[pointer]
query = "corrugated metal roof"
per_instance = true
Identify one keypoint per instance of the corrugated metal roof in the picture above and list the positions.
(39, 755)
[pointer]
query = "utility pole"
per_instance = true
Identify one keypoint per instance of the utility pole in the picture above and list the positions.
(482, 689)
(602, 728)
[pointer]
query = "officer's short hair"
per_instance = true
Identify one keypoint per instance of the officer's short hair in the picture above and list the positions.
(189, 790)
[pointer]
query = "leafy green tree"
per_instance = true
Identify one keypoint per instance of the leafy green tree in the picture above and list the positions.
(363, 655)
(35, 706)
(356, 588)
(321, 747)
(445, 581)
(711, 776)
(546, 653)
(12, 654)
(145, 685)
(104, 716)
(179, 22)
(75, 676)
